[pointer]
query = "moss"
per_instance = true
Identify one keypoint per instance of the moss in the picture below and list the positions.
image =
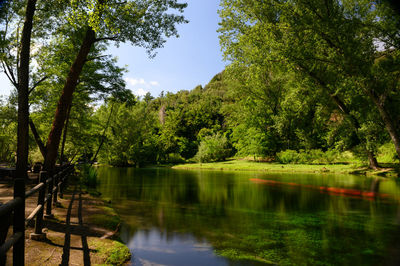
(238, 255)
(108, 219)
(112, 252)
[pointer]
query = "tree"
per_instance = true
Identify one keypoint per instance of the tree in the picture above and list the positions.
(213, 148)
(186, 113)
(100, 77)
(23, 92)
(143, 23)
(129, 99)
(332, 43)
(130, 138)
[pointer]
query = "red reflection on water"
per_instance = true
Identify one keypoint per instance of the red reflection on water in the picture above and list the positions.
(346, 192)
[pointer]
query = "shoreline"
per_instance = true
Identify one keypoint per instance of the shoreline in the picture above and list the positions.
(241, 165)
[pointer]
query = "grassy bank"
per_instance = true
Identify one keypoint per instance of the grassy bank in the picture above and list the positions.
(243, 165)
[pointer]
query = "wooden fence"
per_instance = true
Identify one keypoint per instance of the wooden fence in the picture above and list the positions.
(13, 212)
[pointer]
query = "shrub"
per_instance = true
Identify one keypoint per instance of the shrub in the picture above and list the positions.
(88, 176)
(315, 156)
(387, 153)
(213, 148)
(288, 156)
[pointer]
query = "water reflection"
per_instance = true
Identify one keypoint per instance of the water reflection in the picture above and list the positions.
(154, 248)
(279, 218)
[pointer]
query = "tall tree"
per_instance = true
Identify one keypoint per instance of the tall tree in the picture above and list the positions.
(100, 77)
(23, 92)
(143, 23)
(332, 42)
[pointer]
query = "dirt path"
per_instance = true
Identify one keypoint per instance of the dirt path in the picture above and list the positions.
(72, 236)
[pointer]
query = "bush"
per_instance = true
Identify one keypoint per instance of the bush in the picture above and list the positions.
(288, 156)
(88, 176)
(312, 157)
(387, 153)
(213, 148)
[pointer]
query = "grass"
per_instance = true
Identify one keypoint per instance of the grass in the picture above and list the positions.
(104, 221)
(242, 165)
(109, 219)
(112, 252)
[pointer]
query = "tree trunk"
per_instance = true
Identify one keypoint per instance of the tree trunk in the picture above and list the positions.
(65, 135)
(38, 140)
(373, 163)
(390, 124)
(23, 92)
(65, 100)
(103, 135)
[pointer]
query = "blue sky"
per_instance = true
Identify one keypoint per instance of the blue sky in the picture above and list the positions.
(184, 62)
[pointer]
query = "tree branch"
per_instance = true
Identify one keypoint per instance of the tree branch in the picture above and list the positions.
(9, 74)
(37, 84)
(96, 57)
(38, 140)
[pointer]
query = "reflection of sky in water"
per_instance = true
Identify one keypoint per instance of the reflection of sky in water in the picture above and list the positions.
(154, 248)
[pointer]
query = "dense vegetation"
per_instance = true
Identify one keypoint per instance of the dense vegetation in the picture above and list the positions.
(307, 82)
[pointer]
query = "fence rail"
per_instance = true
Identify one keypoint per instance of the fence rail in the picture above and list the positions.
(13, 211)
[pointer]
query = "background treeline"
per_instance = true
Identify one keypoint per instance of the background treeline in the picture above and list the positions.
(292, 124)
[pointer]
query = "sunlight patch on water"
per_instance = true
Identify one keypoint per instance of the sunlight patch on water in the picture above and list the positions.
(155, 248)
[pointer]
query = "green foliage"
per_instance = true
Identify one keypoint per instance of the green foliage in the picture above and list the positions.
(88, 176)
(130, 138)
(314, 156)
(144, 23)
(8, 132)
(118, 255)
(251, 141)
(213, 148)
(387, 153)
(317, 48)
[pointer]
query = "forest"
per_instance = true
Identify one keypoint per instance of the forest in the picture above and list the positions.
(306, 82)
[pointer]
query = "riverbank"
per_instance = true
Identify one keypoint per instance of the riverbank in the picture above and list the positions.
(243, 165)
(83, 231)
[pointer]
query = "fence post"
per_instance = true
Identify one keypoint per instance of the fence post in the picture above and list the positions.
(19, 222)
(39, 235)
(49, 194)
(56, 179)
(63, 181)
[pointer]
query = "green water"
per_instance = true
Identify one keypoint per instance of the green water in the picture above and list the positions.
(181, 217)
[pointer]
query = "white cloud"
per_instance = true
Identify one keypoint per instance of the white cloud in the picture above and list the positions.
(140, 92)
(134, 82)
(141, 82)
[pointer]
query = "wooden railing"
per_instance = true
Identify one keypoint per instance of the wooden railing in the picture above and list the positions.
(13, 212)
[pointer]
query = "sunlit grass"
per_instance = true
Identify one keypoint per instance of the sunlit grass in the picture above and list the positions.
(244, 165)
(112, 252)
(275, 167)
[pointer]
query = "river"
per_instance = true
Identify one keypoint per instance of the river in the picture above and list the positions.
(189, 217)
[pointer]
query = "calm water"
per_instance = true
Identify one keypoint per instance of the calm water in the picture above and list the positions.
(179, 217)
